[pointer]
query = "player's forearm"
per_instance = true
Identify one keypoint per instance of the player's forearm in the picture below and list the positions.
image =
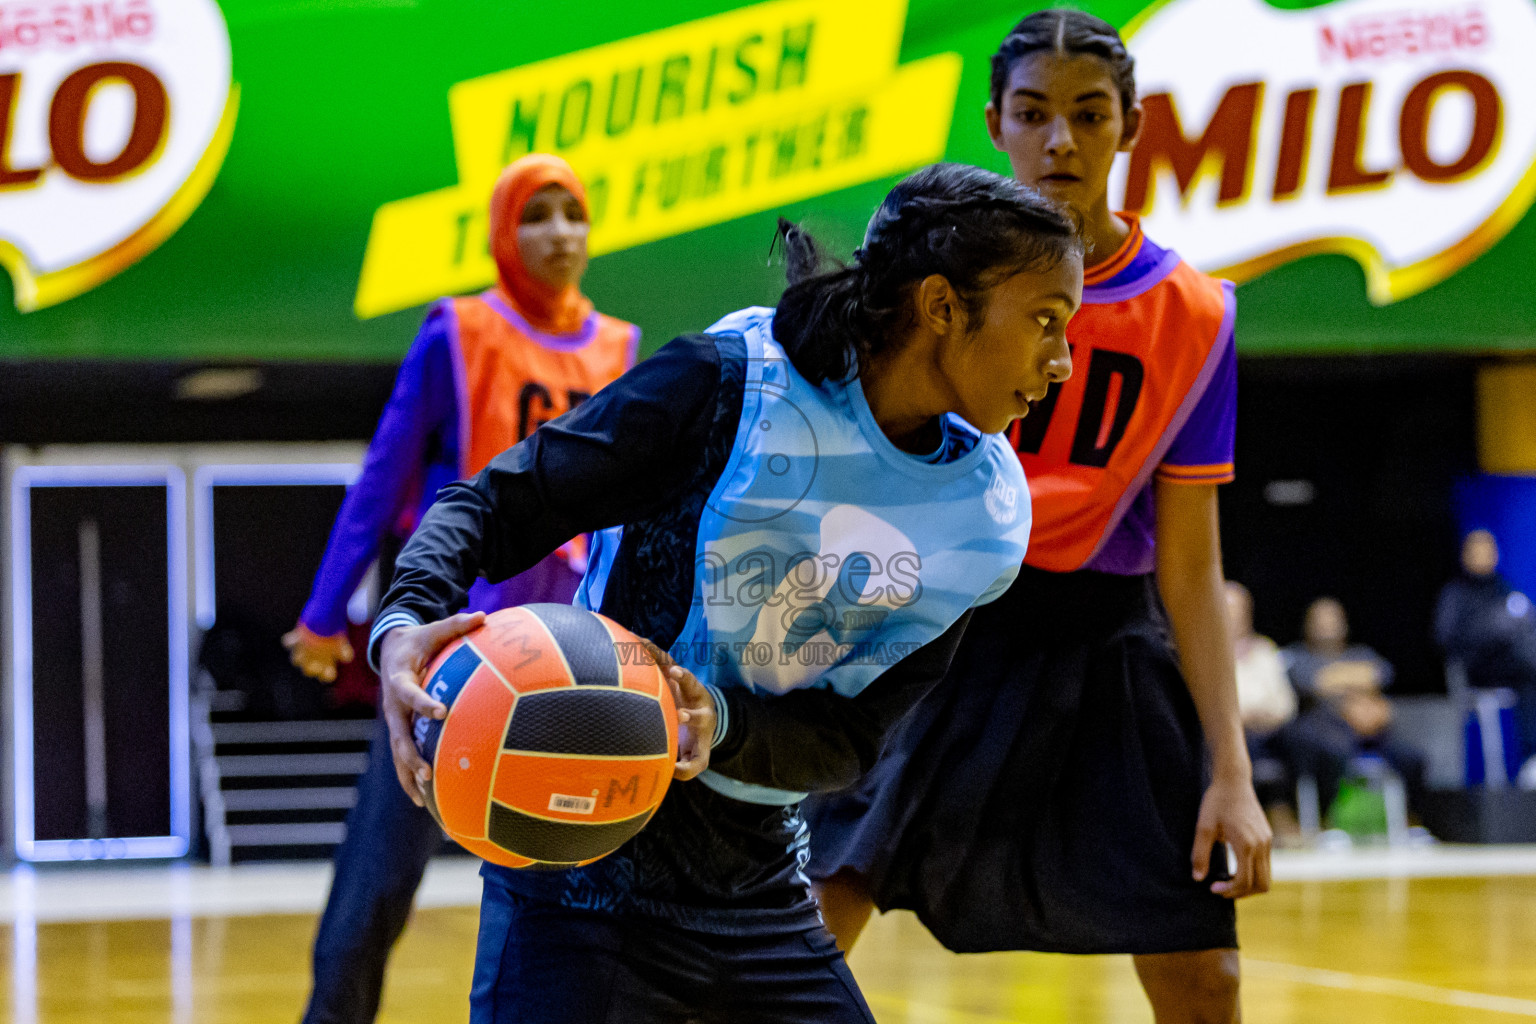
(1195, 612)
(1191, 582)
(806, 741)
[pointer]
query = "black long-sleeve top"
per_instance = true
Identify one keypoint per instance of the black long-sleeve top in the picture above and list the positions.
(645, 454)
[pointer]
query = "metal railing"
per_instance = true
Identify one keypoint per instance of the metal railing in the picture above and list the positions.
(285, 779)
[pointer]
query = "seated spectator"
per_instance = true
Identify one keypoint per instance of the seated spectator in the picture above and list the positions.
(1265, 697)
(1344, 711)
(1486, 626)
(1267, 703)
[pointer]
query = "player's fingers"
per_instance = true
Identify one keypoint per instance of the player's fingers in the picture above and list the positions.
(402, 748)
(688, 691)
(406, 689)
(678, 703)
(692, 756)
(346, 654)
(408, 783)
(311, 664)
(673, 673)
(690, 769)
(1200, 856)
(695, 714)
(1261, 868)
(1241, 882)
(665, 662)
(693, 693)
(291, 638)
(437, 634)
(684, 752)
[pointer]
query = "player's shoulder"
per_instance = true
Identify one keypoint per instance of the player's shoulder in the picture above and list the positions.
(613, 325)
(1197, 292)
(461, 306)
(744, 321)
(1003, 457)
(1005, 491)
(1158, 290)
(1172, 276)
(1172, 303)
(438, 327)
(687, 352)
(711, 359)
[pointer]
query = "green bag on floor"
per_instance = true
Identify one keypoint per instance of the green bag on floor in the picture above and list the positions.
(1358, 809)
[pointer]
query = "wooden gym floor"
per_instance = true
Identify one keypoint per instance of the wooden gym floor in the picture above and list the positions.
(1436, 950)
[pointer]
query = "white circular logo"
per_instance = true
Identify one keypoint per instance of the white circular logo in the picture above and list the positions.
(1396, 132)
(1002, 501)
(114, 121)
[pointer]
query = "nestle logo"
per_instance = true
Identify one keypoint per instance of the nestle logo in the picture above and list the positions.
(61, 26)
(1405, 34)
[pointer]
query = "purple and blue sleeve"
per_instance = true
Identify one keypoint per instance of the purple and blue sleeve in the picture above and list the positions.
(1202, 453)
(424, 403)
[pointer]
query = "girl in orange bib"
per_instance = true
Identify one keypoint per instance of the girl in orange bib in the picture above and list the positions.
(1075, 781)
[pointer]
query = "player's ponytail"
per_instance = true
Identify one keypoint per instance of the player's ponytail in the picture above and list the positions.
(820, 320)
(971, 226)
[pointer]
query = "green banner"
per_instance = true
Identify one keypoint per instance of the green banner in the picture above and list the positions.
(269, 180)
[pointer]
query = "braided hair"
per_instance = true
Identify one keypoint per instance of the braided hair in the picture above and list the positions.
(973, 227)
(1068, 33)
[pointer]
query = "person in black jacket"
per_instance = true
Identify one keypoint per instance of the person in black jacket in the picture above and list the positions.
(1486, 626)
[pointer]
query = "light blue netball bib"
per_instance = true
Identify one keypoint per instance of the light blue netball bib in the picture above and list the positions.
(825, 553)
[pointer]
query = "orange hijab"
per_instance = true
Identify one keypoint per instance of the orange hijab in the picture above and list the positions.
(554, 310)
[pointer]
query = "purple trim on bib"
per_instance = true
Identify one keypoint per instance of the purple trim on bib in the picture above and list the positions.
(555, 342)
(1135, 279)
(1116, 557)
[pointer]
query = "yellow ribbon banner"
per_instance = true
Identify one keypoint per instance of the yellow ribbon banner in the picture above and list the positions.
(675, 130)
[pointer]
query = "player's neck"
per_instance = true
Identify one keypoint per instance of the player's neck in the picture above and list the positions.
(1105, 233)
(903, 401)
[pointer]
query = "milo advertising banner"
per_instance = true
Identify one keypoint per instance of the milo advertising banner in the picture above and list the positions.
(261, 179)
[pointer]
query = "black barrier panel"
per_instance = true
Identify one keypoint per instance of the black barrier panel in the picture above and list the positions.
(101, 750)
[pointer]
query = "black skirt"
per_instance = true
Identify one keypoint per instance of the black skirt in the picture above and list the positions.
(1044, 796)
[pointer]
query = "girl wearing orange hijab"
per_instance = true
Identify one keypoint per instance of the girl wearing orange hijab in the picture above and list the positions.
(484, 372)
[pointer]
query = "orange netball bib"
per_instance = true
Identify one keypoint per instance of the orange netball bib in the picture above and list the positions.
(1145, 346)
(512, 377)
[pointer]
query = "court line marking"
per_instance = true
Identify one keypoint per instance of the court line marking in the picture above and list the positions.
(1415, 990)
(102, 892)
(1438, 861)
(928, 1013)
(114, 892)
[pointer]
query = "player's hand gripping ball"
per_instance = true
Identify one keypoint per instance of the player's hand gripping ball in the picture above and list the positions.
(559, 742)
